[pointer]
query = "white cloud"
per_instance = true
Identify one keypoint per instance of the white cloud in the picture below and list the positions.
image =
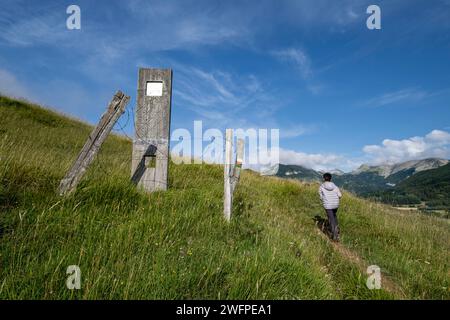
(434, 144)
(315, 161)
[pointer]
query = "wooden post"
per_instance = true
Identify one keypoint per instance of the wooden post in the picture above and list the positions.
(115, 109)
(232, 171)
(228, 194)
(150, 158)
(238, 164)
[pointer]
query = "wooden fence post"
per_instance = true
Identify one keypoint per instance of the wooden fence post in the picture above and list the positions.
(150, 157)
(232, 171)
(238, 165)
(228, 194)
(115, 109)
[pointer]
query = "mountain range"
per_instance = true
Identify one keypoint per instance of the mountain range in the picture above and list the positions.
(425, 181)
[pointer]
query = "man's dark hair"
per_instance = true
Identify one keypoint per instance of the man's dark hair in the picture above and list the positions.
(327, 176)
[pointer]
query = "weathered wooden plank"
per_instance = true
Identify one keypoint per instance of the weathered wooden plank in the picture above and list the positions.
(228, 194)
(238, 165)
(113, 112)
(150, 158)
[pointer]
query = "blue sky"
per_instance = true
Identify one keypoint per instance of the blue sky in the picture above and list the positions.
(340, 94)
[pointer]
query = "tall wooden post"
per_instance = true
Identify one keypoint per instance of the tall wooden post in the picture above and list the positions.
(115, 109)
(150, 159)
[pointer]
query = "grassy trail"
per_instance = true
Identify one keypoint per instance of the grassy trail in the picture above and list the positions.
(388, 284)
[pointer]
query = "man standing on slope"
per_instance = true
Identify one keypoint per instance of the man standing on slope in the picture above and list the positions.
(330, 195)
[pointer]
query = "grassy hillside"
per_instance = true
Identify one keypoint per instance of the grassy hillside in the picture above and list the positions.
(362, 183)
(175, 244)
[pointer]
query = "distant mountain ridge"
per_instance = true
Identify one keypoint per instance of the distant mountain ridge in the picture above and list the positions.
(384, 182)
(393, 183)
(417, 165)
(385, 171)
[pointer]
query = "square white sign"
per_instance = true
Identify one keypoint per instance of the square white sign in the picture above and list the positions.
(154, 89)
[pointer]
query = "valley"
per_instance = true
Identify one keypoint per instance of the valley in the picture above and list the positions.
(422, 185)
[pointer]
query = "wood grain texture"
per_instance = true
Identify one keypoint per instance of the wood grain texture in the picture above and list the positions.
(113, 112)
(152, 131)
(238, 165)
(228, 194)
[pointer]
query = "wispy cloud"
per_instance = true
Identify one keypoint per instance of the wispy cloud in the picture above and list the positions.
(401, 96)
(302, 64)
(335, 16)
(317, 161)
(298, 58)
(151, 26)
(222, 97)
(226, 100)
(287, 132)
(22, 27)
(183, 24)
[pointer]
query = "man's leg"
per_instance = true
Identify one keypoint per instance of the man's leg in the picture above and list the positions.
(337, 223)
(333, 222)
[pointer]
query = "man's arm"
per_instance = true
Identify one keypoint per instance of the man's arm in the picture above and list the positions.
(338, 192)
(320, 193)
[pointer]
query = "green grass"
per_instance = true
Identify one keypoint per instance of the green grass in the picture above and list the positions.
(175, 244)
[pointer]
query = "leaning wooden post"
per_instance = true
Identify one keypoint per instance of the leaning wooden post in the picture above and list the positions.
(228, 194)
(115, 109)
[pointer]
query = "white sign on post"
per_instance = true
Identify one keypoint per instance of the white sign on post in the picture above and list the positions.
(154, 89)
